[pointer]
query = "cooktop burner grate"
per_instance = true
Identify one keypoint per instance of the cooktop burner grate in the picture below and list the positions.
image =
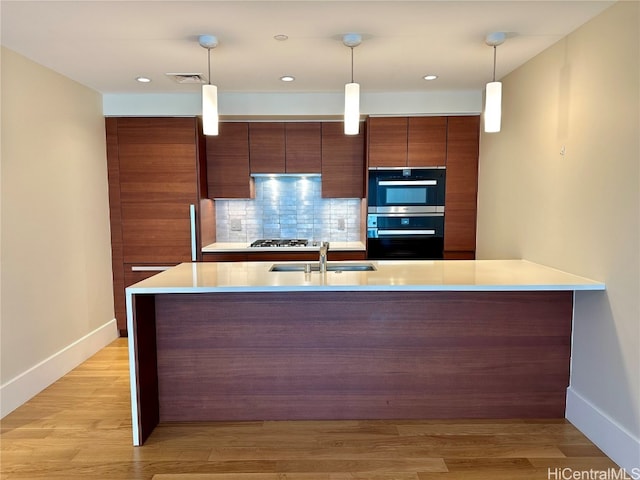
(280, 242)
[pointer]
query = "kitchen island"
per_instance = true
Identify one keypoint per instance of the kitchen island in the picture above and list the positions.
(408, 339)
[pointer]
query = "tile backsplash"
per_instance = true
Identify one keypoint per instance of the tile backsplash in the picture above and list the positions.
(288, 207)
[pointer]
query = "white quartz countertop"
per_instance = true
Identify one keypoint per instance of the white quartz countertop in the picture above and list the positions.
(228, 247)
(417, 275)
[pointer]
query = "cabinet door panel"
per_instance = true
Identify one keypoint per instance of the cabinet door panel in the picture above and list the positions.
(343, 162)
(303, 146)
(459, 255)
(460, 230)
(282, 256)
(462, 183)
(427, 141)
(224, 257)
(163, 238)
(267, 147)
(228, 174)
(387, 141)
(156, 130)
(152, 173)
(157, 185)
(339, 255)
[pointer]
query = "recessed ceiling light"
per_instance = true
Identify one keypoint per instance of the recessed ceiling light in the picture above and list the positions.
(143, 79)
(281, 37)
(430, 77)
(287, 78)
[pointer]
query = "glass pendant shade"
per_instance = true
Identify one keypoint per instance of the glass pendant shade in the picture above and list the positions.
(210, 109)
(351, 108)
(493, 107)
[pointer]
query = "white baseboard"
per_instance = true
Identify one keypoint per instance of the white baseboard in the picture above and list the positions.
(609, 436)
(20, 389)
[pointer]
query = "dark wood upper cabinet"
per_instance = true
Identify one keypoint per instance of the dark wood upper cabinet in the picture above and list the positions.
(343, 162)
(285, 147)
(267, 147)
(303, 147)
(387, 141)
(156, 130)
(427, 141)
(228, 174)
(462, 184)
(407, 141)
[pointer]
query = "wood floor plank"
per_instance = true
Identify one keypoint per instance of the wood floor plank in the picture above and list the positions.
(370, 466)
(486, 469)
(575, 463)
(245, 476)
(80, 428)
(290, 476)
(586, 450)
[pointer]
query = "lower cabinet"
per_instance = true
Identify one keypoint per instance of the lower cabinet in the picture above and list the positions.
(340, 255)
(459, 255)
(336, 255)
(224, 257)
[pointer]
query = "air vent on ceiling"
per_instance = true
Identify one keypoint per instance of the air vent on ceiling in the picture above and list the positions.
(197, 78)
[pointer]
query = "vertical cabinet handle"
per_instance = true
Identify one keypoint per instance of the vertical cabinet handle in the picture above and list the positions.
(194, 246)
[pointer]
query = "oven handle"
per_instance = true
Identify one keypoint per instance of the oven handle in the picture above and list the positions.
(374, 212)
(406, 232)
(407, 183)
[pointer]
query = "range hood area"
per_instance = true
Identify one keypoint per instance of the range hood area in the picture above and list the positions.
(291, 175)
(288, 206)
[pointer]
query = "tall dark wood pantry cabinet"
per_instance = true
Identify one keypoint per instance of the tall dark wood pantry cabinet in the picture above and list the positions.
(154, 181)
(461, 193)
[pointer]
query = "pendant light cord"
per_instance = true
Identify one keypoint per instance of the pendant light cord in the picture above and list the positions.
(351, 64)
(495, 49)
(209, 65)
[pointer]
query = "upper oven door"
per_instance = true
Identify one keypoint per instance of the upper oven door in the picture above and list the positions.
(406, 191)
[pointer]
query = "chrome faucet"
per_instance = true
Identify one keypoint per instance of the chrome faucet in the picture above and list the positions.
(322, 264)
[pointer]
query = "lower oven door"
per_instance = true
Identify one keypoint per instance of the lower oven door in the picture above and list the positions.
(415, 237)
(405, 248)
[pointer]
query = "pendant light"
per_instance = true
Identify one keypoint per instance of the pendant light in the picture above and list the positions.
(351, 91)
(493, 92)
(209, 92)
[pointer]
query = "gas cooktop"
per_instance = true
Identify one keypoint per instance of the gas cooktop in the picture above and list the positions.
(283, 242)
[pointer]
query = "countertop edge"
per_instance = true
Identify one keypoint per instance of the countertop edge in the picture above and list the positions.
(367, 288)
(396, 276)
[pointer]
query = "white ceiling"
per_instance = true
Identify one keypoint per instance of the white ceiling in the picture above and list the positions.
(107, 44)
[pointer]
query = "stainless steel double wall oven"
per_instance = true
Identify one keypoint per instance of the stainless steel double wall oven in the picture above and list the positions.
(406, 213)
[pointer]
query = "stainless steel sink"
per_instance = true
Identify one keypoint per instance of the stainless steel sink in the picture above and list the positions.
(331, 267)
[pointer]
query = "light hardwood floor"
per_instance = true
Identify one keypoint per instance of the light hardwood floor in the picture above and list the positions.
(80, 428)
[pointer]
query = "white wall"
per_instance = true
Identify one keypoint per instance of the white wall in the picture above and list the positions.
(579, 211)
(57, 299)
(295, 104)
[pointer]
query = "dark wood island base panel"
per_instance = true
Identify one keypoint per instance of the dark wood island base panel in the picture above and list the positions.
(351, 355)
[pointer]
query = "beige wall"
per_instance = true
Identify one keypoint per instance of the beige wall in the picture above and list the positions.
(579, 212)
(55, 244)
